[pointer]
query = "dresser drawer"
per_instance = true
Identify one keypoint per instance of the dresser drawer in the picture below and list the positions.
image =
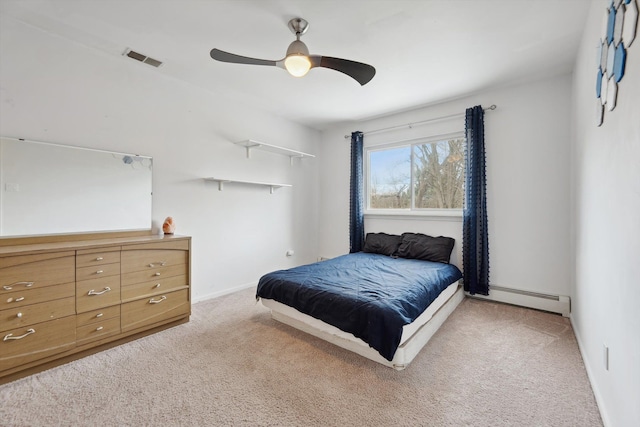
(36, 271)
(24, 345)
(147, 311)
(150, 259)
(152, 287)
(30, 296)
(151, 274)
(102, 329)
(91, 258)
(97, 271)
(97, 293)
(89, 317)
(37, 313)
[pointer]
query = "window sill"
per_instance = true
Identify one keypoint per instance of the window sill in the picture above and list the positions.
(425, 215)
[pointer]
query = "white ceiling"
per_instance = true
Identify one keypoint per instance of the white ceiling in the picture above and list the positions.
(424, 51)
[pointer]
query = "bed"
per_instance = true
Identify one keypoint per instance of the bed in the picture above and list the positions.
(384, 303)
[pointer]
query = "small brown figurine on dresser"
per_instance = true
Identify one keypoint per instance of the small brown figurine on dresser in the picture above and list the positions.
(168, 227)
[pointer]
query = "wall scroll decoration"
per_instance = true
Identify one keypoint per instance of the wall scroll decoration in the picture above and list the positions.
(619, 28)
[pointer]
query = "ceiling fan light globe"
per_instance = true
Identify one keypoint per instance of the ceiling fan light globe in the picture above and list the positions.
(297, 65)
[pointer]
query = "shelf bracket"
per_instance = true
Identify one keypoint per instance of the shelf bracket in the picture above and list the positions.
(297, 156)
(249, 147)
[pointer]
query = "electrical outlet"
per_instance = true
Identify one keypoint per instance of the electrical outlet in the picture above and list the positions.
(605, 357)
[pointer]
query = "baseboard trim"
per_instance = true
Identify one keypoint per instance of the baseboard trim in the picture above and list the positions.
(223, 292)
(554, 303)
(590, 376)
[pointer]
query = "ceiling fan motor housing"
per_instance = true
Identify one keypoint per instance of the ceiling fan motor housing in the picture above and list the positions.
(297, 48)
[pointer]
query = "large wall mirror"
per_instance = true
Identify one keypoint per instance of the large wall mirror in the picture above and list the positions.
(52, 189)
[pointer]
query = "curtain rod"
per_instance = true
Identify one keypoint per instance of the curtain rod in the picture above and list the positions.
(410, 125)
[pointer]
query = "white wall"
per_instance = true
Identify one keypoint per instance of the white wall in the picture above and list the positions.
(527, 144)
(58, 91)
(606, 185)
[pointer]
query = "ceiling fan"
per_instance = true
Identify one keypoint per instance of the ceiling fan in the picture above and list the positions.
(298, 62)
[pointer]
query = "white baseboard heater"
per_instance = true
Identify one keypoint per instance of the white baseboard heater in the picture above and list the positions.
(553, 303)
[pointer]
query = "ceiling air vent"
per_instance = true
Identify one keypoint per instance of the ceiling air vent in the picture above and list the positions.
(142, 58)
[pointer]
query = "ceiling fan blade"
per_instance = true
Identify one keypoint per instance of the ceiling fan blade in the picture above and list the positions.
(220, 55)
(362, 73)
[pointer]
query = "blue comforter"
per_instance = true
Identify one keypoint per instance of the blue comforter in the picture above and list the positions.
(369, 295)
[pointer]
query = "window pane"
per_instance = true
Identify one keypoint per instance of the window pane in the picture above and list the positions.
(390, 178)
(439, 174)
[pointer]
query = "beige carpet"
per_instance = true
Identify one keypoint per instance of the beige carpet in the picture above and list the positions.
(489, 365)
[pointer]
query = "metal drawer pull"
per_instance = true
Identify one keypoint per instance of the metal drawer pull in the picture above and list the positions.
(99, 272)
(161, 264)
(99, 328)
(92, 292)
(19, 315)
(157, 273)
(99, 258)
(11, 337)
(157, 285)
(157, 301)
(9, 287)
(99, 315)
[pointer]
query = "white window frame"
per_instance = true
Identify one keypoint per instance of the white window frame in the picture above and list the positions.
(412, 212)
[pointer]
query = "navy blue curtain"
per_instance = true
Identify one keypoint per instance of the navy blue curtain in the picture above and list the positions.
(356, 204)
(475, 237)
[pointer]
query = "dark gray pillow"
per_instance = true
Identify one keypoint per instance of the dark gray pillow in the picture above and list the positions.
(427, 248)
(382, 243)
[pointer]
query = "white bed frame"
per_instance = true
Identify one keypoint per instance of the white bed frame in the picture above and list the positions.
(414, 335)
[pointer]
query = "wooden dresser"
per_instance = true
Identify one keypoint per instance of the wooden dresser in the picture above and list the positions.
(64, 297)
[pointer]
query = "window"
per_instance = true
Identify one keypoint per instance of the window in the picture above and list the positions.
(427, 174)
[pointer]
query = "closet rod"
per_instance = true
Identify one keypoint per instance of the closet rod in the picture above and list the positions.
(410, 125)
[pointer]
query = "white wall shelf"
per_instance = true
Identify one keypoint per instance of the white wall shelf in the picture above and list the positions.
(251, 144)
(272, 186)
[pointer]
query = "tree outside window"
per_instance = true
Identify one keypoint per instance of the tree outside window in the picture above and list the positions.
(424, 175)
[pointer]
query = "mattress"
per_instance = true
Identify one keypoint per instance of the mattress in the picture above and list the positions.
(370, 296)
(414, 337)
